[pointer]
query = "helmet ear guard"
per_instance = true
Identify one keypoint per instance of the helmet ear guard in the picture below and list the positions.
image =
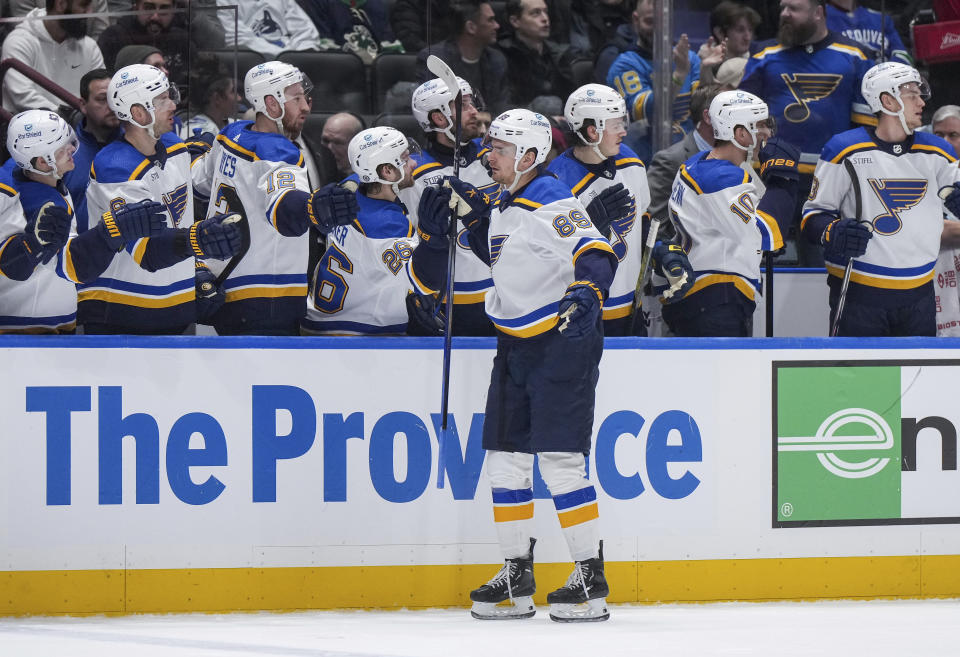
(39, 135)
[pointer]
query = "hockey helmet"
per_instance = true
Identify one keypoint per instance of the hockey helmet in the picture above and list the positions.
(139, 84)
(524, 129)
(272, 79)
(732, 108)
(599, 103)
(889, 78)
(372, 148)
(434, 95)
(39, 134)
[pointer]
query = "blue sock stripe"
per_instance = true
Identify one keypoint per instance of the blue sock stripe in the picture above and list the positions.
(576, 498)
(512, 496)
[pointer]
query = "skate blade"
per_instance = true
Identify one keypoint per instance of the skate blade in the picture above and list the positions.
(590, 612)
(521, 608)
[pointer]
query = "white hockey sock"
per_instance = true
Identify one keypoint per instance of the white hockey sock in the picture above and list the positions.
(575, 500)
(511, 480)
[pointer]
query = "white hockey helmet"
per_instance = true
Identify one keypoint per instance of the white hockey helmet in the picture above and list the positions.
(39, 135)
(597, 102)
(139, 84)
(271, 79)
(729, 109)
(434, 95)
(372, 148)
(889, 78)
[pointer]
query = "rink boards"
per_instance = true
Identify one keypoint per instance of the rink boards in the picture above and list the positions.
(210, 474)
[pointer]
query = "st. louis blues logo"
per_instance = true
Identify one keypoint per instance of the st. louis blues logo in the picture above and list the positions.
(896, 196)
(176, 202)
(496, 246)
(620, 228)
(807, 88)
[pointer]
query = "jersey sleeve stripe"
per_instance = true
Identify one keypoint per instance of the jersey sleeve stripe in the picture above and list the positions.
(69, 269)
(583, 183)
(929, 148)
(141, 169)
(418, 284)
(140, 249)
(687, 178)
(772, 229)
(850, 150)
(2, 248)
(9, 191)
(640, 106)
(238, 150)
(274, 207)
(599, 243)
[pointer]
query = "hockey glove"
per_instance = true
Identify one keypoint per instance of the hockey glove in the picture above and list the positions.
(951, 198)
(579, 311)
(613, 203)
(434, 214)
(199, 144)
(670, 261)
(131, 222)
(216, 237)
(331, 206)
(779, 158)
(843, 239)
(48, 231)
(470, 205)
(210, 296)
(424, 317)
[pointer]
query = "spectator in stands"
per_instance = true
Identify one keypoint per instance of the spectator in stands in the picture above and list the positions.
(536, 66)
(213, 98)
(98, 128)
(409, 20)
(623, 39)
(471, 55)
(269, 27)
(154, 27)
(202, 22)
(94, 27)
(56, 48)
(631, 74)
(338, 130)
(811, 84)
(362, 28)
(148, 55)
(594, 23)
(735, 23)
(946, 124)
(869, 28)
(663, 169)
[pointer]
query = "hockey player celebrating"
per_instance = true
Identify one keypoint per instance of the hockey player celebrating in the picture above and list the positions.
(256, 164)
(725, 219)
(895, 171)
(611, 181)
(434, 109)
(45, 258)
(359, 285)
(149, 287)
(547, 310)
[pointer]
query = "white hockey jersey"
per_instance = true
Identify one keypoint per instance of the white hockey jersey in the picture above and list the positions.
(359, 286)
(126, 294)
(898, 186)
(625, 236)
(714, 208)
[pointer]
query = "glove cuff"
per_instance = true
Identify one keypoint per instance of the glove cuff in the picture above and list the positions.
(193, 240)
(825, 237)
(311, 213)
(431, 241)
(588, 284)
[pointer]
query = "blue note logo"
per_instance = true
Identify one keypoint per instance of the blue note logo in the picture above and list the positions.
(807, 88)
(896, 195)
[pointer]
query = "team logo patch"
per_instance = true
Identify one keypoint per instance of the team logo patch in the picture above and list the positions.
(896, 196)
(807, 88)
(496, 247)
(176, 202)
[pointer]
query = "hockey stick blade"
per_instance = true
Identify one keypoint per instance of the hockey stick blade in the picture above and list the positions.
(439, 68)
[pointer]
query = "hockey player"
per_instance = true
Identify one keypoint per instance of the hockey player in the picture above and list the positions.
(435, 111)
(51, 258)
(611, 181)
(895, 242)
(360, 283)
(549, 342)
(149, 288)
(256, 164)
(725, 219)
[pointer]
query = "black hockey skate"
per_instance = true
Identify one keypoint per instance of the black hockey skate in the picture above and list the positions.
(583, 597)
(513, 584)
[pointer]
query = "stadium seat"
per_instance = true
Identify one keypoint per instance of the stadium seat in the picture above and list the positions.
(582, 72)
(339, 79)
(246, 59)
(405, 123)
(388, 69)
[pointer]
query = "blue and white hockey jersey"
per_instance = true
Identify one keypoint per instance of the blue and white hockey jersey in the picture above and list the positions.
(899, 184)
(873, 30)
(812, 91)
(625, 236)
(360, 284)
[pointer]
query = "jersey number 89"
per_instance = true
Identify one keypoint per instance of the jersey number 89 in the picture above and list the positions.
(567, 225)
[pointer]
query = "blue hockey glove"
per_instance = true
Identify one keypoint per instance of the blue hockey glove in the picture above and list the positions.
(331, 206)
(843, 239)
(434, 215)
(131, 222)
(216, 237)
(199, 144)
(423, 315)
(210, 296)
(779, 158)
(470, 205)
(579, 311)
(951, 198)
(670, 261)
(613, 203)
(48, 230)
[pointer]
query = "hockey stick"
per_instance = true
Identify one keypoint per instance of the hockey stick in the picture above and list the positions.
(235, 205)
(858, 210)
(768, 292)
(439, 68)
(644, 266)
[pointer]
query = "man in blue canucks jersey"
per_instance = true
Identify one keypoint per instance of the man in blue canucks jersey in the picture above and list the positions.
(631, 74)
(38, 294)
(903, 178)
(551, 271)
(148, 288)
(255, 169)
(868, 27)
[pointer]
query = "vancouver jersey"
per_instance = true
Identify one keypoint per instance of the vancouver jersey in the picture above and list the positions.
(625, 235)
(127, 294)
(360, 285)
(812, 91)
(869, 27)
(270, 282)
(898, 187)
(47, 301)
(714, 207)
